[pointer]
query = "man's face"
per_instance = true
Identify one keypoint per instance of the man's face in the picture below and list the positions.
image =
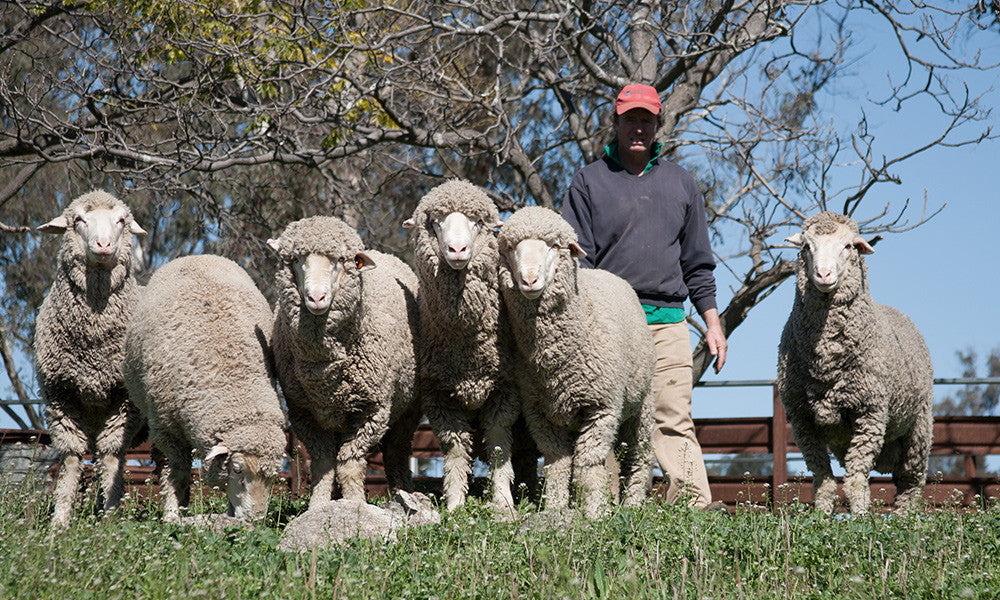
(636, 130)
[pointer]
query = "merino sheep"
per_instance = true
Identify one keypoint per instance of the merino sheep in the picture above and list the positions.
(80, 344)
(344, 346)
(465, 349)
(854, 376)
(585, 361)
(199, 368)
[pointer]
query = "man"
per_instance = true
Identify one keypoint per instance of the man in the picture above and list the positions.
(643, 218)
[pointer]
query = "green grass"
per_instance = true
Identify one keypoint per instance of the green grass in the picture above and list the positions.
(658, 551)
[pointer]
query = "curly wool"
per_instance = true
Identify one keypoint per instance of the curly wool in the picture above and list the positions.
(79, 347)
(585, 366)
(80, 329)
(348, 374)
(461, 304)
(198, 362)
(844, 359)
(328, 236)
(536, 223)
(465, 347)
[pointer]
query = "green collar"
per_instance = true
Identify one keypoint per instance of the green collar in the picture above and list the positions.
(612, 151)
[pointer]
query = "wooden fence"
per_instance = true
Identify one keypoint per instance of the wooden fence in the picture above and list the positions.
(968, 437)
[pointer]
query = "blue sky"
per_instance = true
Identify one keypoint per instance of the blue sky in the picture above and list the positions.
(943, 274)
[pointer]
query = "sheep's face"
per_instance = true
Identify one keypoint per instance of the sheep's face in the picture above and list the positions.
(828, 253)
(456, 237)
(101, 233)
(321, 279)
(533, 263)
(248, 485)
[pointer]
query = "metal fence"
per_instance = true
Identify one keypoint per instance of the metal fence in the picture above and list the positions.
(767, 437)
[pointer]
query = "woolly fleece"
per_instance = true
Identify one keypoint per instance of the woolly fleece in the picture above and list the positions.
(348, 375)
(585, 366)
(79, 347)
(198, 365)
(465, 346)
(855, 377)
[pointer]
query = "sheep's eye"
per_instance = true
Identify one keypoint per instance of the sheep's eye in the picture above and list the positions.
(237, 468)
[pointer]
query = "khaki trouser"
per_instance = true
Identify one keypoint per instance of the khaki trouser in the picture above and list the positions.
(674, 443)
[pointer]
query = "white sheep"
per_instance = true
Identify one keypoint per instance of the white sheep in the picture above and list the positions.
(344, 340)
(465, 346)
(585, 361)
(80, 344)
(198, 366)
(854, 376)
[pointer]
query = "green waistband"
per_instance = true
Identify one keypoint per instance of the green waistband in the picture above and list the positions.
(663, 314)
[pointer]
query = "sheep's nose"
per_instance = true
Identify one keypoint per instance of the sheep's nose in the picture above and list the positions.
(824, 273)
(317, 297)
(455, 249)
(529, 279)
(102, 245)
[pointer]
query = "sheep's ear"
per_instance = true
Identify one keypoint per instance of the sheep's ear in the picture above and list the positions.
(273, 244)
(136, 229)
(497, 225)
(410, 223)
(863, 246)
(56, 225)
(795, 239)
(363, 262)
(217, 451)
(576, 251)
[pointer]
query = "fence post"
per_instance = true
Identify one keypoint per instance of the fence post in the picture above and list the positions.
(779, 448)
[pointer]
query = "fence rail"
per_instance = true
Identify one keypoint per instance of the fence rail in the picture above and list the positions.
(968, 437)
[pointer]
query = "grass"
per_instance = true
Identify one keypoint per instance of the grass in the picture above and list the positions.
(658, 551)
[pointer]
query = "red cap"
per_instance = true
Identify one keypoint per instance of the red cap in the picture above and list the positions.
(637, 95)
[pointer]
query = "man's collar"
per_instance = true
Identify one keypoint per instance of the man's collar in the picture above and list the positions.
(612, 151)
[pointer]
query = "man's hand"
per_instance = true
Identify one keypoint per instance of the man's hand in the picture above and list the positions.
(715, 339)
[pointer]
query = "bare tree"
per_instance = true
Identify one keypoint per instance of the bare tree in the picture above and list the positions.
(234, 117)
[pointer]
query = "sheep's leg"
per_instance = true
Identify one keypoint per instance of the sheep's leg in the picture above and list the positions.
(362, 433)
(865, 446)
(177, 477)
(637, 458)
(70, 471)
(593, 444)
(498, 421)
(556, 445)
(113, 441)
(323, 472)
(454, 430)
(910, 475)
(810, 441)
(397, 447)
(70, 441)
(319, 443)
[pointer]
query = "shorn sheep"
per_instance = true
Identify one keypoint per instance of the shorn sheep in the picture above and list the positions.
(80, 344)
(465, 346)
(345, 329)
(854, 376)
(198, 366)
(585, 361)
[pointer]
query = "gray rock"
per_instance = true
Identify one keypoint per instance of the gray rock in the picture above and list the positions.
(416, 509)
(336, 522)
(26, 464)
